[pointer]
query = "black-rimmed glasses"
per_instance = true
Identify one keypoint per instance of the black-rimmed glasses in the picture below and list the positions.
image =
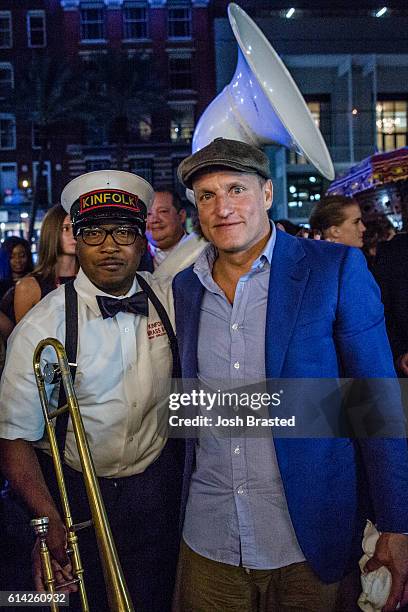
(95, 236)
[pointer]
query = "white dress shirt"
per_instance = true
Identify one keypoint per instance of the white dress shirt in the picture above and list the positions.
(122, 380)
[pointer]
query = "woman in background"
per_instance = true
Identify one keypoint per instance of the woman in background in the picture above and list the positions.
(16, 262)
(338, 219)
(57, 262)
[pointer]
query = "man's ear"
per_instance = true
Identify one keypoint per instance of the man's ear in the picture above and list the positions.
(268, 193)
(183, 215)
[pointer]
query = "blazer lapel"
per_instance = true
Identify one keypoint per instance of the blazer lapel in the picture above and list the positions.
(288, 278)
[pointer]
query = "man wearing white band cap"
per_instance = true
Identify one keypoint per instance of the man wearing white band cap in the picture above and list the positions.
(124, 363)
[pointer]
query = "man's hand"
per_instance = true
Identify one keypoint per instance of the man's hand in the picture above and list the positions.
(402, 363)
(392, 551)
(62, 569)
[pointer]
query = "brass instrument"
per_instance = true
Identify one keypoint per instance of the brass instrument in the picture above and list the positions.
(117, 591)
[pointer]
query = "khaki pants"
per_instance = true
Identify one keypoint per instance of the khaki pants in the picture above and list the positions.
(204, 585)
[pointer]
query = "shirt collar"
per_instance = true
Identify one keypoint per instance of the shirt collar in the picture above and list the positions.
(155, 249)
(205, 261)
(88, 291)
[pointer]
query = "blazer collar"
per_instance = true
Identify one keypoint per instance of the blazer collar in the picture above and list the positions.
(287, 282)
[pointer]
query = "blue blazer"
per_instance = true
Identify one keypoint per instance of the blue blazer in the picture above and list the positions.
(324, 319)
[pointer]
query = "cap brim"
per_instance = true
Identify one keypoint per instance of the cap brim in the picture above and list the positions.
(108, 218)
(188, 180)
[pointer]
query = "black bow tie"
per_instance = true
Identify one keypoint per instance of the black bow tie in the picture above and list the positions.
(136, 303)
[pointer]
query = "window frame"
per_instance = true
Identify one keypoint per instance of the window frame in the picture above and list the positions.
(14, 166)
(47, 174)
(12, 118)
(34, 133)
(186, 129)
(171, 73)
(128, 22)
(8, 15)
(321, 115)
(4, 66)
(172, 22)
(394, 100)
(36, 13)
(84, 24)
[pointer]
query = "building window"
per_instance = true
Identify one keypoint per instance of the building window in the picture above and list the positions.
(144, 127)
(7, 132)
(180, 73)
(6, 79)
(179, 22)
(45, 182)
(8, 182)
(304, 191)
(96, 134)
(135, 22)
(142, 167)
(36, 29)
(182, 123)
(35, 136)
(92, 24)
(320, 111)
(6, 37)
(98, 164)
(391, 124)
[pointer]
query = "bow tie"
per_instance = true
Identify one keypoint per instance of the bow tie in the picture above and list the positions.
(136, 304)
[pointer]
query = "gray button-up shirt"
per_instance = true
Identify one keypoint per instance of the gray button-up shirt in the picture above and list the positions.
(237, 511)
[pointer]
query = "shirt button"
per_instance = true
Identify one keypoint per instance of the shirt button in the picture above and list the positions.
(237, 450)
(126, 329)
(240, 490)
(235, 326)
(131, 439)
(236, 365)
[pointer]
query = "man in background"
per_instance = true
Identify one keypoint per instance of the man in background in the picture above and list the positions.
(165, 225)
(391, 272)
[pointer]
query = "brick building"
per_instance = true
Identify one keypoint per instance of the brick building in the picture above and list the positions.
(178, 37)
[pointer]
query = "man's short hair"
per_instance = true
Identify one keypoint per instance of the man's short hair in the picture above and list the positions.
(176, 200)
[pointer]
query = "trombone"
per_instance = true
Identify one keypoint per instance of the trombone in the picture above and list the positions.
(117, 591)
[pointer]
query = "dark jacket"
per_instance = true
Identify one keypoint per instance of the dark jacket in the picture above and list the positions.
(391, 272)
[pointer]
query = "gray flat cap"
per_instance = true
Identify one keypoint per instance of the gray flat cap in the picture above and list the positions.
(226, 153)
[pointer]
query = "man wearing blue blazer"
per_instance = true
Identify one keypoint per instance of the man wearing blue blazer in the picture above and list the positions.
(271, 523)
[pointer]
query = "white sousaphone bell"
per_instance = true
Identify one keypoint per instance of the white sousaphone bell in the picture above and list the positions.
(262, 104)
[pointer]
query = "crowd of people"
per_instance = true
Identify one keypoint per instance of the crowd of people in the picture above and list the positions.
(240, 522)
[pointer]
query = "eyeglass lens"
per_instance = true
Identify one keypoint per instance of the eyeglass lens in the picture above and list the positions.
(95, 236)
